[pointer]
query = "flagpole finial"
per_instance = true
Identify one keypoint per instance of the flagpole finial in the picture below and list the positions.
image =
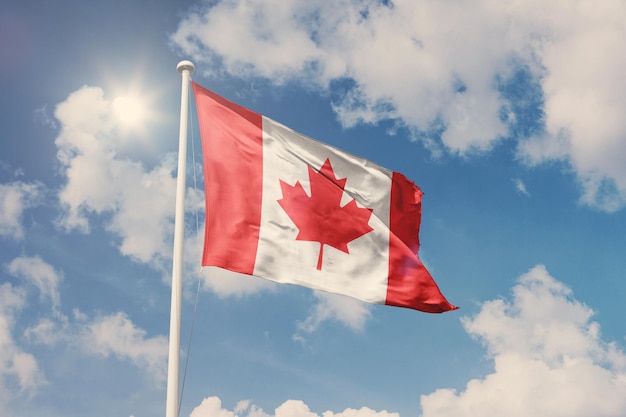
(185, 65)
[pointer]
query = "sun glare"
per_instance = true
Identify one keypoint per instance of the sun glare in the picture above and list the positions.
(131, 113)
(135, 115)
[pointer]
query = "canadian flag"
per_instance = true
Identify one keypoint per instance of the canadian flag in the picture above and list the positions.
(288, 208)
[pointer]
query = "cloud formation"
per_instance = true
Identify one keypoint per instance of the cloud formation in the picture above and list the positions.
(138, 201)
(19, 370)
(212, 406)
(15, 197)
(39, 273)
(348, 311)
(549, 358)
(102, 336)
(548, 355)
(116, 335)
(445, 70)
(520, 187)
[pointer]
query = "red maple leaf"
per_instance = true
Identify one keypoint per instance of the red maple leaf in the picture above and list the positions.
(320, 217)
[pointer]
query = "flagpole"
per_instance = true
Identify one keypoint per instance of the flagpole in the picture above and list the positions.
(185, 68)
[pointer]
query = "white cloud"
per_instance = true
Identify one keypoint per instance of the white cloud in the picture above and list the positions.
(106, 335)
(212, 406)
(520, 187)
(138, 201)
(19, 371)
(548, 358)
(361, 412)
(116, 335)
(39, 273)
(16, 197)
(584, 99)
(230, 284)
(438, 66)
(112, 335)
(403, 66)
(293, 408)
(48, 331)
(350, 312)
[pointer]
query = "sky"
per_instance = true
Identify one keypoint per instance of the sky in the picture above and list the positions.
(507, 114)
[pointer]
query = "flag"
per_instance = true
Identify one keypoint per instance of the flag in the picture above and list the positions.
(285, 207)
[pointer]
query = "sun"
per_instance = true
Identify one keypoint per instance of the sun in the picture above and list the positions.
(133, 108)
(132, 113)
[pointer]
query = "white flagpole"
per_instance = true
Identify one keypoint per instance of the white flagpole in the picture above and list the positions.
(185, 68)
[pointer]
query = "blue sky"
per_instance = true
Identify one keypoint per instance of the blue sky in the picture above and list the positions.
(508, 115)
